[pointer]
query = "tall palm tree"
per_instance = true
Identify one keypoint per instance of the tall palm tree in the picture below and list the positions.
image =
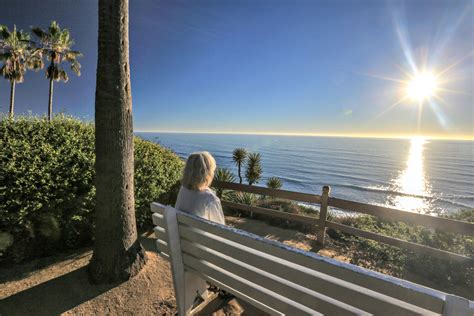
(253, 174)
(117, 254)
(274, 183)
(56, 45)
(17, 55)
(239, 155)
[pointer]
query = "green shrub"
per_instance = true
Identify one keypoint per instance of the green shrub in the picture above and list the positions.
(46, 184)
(157, 174)
(449, 275)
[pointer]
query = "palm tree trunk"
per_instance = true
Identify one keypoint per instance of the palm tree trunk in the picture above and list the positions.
(118, 254)
(240, 176)
(12, 98)
(50, 103)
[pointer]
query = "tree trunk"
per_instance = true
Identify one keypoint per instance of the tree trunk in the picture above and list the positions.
(118, 254)
(50, 103)
(240, 176)
(12, 98)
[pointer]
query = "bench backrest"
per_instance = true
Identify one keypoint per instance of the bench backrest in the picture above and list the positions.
(280, 279)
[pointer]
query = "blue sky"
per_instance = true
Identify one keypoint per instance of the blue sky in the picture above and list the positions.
(269, 66)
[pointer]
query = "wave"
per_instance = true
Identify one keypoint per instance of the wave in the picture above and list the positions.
(386, 190)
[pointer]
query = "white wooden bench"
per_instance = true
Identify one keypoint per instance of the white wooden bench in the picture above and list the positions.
(279, 279)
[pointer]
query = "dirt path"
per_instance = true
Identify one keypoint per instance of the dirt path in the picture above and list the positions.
(63, 288)
(286, 236)
(59, 286)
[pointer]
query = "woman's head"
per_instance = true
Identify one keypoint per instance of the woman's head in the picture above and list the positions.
(199, 171)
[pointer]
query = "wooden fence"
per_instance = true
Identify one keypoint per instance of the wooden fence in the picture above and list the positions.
(322, 223)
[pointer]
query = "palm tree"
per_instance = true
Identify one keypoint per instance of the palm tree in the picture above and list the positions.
(118, 255)
(254, 168)
(56, 45)
(17, 55)
(274, 183)
(224, 175)
(239, 155)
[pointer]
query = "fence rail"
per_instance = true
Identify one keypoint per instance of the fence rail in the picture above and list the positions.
(322, 223)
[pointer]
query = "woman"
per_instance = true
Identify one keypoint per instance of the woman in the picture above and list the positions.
(195, 197)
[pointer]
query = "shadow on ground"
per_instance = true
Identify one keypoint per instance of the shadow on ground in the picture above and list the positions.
(57, 295)
(54, 296)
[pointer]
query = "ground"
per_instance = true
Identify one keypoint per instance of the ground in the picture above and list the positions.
(60, 285)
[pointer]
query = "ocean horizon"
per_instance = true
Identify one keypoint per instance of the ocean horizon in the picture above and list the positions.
(429, 176)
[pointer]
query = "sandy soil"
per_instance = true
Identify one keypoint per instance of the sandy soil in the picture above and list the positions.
(63, 288)
(286, 236)
(60, 285)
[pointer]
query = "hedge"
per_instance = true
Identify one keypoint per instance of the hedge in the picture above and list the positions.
(47, 193)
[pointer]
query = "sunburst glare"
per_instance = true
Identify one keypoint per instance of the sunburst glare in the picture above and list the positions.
(423, 80)
(422, 86)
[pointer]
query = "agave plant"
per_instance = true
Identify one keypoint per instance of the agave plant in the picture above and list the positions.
(239, 155)
(224, 175)
(17, 54)
(56, 45)
(274, 183)
(245, 198)
(253, 174)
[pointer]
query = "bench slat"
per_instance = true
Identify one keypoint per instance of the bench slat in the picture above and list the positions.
(338, 289)
(292, 291)
(158, 220)
(162, 246)
(236, 293)
(406, 291)
(161, 233)
(266, 297)
(157, 208)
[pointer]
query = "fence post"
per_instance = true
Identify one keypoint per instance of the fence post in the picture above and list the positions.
(323, 213)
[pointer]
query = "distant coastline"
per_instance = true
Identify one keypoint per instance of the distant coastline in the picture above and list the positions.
(353, 135)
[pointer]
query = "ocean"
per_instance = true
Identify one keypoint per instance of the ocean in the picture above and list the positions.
(416, 175)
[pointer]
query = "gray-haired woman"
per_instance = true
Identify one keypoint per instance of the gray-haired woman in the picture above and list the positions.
(195, 197)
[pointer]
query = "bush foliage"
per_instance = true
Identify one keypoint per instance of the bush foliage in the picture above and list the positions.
(47, 184)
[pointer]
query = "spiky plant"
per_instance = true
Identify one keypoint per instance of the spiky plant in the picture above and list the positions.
(245, 198)
(238, 156)
(253, 174)
(224, 175)
(17, 54)
(56, 45)
(274, 183)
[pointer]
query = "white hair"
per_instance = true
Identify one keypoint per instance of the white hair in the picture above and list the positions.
(199, 171)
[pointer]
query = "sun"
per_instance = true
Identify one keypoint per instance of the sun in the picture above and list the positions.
(422, 86)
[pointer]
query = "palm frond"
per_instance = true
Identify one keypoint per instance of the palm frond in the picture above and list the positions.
(39, 32)
(254, 169)
(63, 75)
(54, 29)
(239, 155)
(224, 175)
(76, 68)
(4, 32)
(274, 183)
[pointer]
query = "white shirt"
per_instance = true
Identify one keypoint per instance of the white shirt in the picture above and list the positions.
(203, 203)
(207, 205)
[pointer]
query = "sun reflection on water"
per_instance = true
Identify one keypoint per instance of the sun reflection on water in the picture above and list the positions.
(412, 182)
